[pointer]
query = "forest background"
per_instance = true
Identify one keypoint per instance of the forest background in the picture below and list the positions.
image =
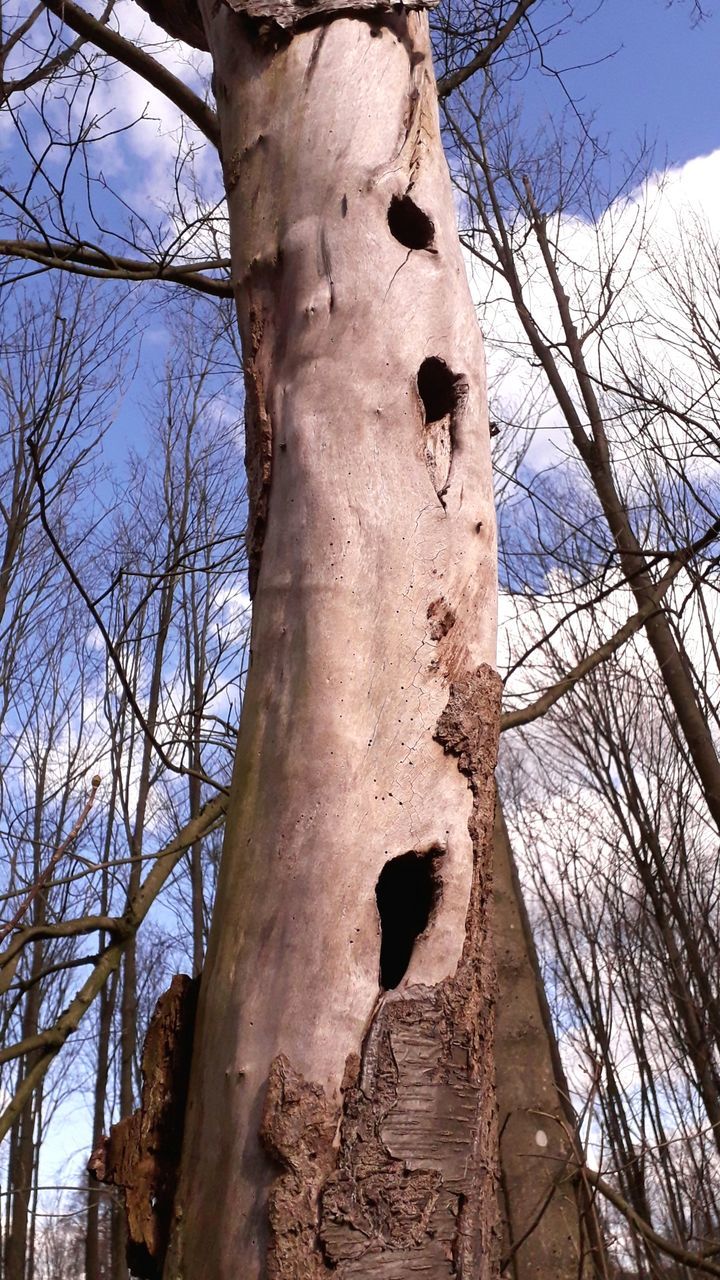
(586, 175)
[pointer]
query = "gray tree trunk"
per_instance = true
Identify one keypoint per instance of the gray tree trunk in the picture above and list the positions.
(341, 1111)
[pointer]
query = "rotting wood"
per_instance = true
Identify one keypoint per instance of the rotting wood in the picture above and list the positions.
(141, 1154)
(297, 1129)
(410, 1188)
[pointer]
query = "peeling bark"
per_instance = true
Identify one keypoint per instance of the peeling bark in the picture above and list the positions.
(396, 1204)
(297, 1129)
(334, 1124)
(142, 1153)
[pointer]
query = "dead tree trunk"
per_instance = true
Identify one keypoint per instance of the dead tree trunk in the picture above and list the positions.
(341, 1110)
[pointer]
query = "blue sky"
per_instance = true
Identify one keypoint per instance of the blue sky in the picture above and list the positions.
(663, 78)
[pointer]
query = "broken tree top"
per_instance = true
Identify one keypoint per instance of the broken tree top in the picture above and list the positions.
(181, 18)
(288, 13)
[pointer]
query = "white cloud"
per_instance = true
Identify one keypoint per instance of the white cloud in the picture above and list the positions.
(635, 246)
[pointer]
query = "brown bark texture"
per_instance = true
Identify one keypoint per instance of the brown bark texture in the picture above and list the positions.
(142, 1153)
(341, 1108)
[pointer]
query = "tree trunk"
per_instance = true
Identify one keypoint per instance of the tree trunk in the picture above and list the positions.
(96, 1258)
(23, 1149)
(341, 1110)
(551, 1225)
(96, 1261)
(129, 992)
(21, 1182)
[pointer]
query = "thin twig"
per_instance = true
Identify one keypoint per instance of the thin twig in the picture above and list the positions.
(97, 619)
(137, 60)
(44, 876)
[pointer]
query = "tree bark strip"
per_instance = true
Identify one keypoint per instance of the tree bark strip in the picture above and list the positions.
(142, 1153)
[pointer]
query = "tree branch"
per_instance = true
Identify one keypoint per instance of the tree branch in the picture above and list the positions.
(64, 929)
(694, 1261)
(525, 715)
(46, 69)
(124, 51)
(454, 79)
(79, 260)
(57, 855)
(99, 623)
(52, 1040)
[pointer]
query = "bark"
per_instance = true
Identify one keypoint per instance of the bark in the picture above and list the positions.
(550, 1224)
(141, 1155)
(341, 1111)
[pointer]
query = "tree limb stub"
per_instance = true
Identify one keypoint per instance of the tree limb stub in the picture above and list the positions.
(180, 18)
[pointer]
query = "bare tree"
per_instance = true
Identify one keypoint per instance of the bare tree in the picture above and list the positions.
(368, 464)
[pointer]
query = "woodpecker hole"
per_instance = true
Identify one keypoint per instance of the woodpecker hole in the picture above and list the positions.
(409, 224)
(407, 892)
(440, 389)
(442, 393)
